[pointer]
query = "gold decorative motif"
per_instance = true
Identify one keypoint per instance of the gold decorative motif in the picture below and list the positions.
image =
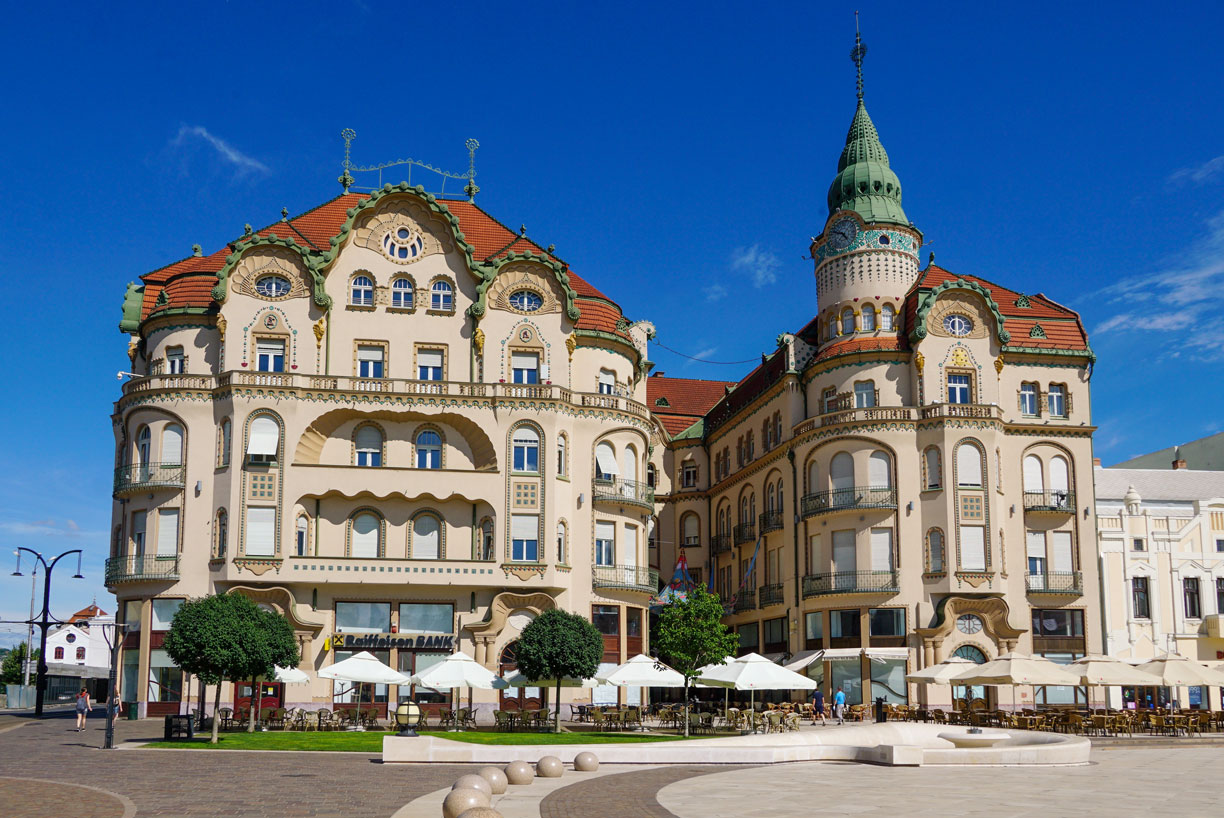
(133, 348)
(960, 357)
(320, 327)
(221, 324)
(999, 364)
(571, 343)
(478, 340)
(919, 361)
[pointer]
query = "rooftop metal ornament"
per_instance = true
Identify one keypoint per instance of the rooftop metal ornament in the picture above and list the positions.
(857, 53)
(347, 181)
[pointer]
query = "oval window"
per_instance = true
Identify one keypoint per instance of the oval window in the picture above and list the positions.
(403, 244)
(526, 301)
(272, 286)
(957, 325)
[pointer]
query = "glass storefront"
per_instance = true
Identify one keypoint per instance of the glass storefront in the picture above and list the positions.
(347, 692)
(888, 680)
(410, 663)
(130, 685)
(363, 617)
(848, 675)
(165, 679)
(1061, 694)
(427, 617)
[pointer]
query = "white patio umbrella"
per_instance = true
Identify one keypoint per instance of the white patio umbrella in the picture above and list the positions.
(1013, 669)
(642, 671)
(517, 679)
(754, 672)
(1175, 670)
(363, 668)
(291, 676)
(1106, 671)
(456, 670)
(940, 673)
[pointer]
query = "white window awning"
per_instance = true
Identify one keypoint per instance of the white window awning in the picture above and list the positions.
(606, 460)
(841, 654)
(773, 657)
(802, 659)
(887, 653)
(265, 436)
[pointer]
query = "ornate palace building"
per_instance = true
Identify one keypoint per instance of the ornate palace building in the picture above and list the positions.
(411, 429)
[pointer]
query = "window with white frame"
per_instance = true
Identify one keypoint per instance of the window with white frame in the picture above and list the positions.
(429, 364)
(968, 465)
(401, 293)
(934, 470)
(605, 462)
(269, 355)
(369, 445)
(167, 532)
(960, 387)
(426, 537)
(260, 539)
(370, 361)
(263, 441)
(562, 456)
(442, 296)
(226, 441)
(607, 382)
(879, 470)
(1191, 593)
(605, 543)
(864, 394)
(525, 367)
(935, 551)
(172, 445)
(887, 314)
(524, 537)
(526, 445)
(688, 475)
(841, 471)
(365, 536)
(1028, 399)
(144, 440)
(561, 537)
(301, 536)
(361, 293)
(163, 613)
(690, 531)
(869, 318)
(1033, 480)
(1062, 552)
(174, 360)
(847, 321)
(881, 549)
(972, 548)
(1056, 400)
(1035, 550)
(428, 450)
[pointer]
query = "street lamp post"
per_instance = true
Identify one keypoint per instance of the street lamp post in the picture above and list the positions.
(112, 689)
(45, 620)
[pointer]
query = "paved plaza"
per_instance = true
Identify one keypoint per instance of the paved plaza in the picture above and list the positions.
(48, 769)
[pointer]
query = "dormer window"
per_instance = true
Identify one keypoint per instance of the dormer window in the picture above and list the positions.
(526, 301)
(957, 325)
(272, 286)
(403, 245)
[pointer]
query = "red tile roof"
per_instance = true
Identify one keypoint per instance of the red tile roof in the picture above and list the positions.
(851, 345)
(686, 400)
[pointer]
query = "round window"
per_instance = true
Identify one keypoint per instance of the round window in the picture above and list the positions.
(526, 300)
(957, 325)
(272, 286)
(968, 623)
(403, 244)
(70, 638)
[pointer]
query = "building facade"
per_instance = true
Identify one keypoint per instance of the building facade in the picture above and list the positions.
(906, 478)
(1161, 544)
(401, 424)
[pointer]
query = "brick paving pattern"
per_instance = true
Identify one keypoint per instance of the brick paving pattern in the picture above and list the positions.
(628, 795)
(36, 797)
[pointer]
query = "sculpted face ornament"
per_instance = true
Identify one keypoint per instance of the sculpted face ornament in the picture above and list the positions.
(270, 321)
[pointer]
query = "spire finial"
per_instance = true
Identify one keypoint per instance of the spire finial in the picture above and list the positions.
(857, 53)
(346, 179)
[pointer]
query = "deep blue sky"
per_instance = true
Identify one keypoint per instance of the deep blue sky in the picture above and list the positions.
(678, 156)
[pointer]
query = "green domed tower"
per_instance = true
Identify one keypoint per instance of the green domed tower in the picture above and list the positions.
(867, 255)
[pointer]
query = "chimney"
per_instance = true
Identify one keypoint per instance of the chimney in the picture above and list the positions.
(1179, 464)
(1096, 462)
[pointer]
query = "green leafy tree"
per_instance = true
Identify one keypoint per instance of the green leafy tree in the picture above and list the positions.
(228, 636)
(10, 669)
(690, 635)
(558, 644)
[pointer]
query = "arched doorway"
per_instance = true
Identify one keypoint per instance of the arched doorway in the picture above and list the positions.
(517, 698)
(965, 696)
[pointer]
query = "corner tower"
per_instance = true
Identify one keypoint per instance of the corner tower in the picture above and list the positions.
(867, 254)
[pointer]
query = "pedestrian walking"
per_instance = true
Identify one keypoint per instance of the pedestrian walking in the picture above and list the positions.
(839, 705)
(83, 706)
(818, 708)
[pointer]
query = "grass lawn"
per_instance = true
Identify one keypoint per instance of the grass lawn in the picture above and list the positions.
(371, 741)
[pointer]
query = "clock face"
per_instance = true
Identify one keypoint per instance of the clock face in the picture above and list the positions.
(957, 325)
(968, 623)
(842, 233)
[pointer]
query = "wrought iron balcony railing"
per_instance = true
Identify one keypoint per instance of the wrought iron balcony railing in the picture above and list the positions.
(143, 476)
(771, 521)
(146, 567)
(823, 502)
(1055, 582)
(770, 595)
(744, 532)
(1054, 501)
(616, 490)
(746, 601)
(851, 582)
(720, 543)
(626, 578)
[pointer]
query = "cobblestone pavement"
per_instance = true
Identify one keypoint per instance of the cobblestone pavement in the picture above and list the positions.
(197, 783)
(628, 795)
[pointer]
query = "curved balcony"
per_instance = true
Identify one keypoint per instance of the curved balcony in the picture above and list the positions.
(745, 601)
(142, 568)
(145, 476)
(771, 521)
(744, 532)
(770, 595)
(625, 578)
(851, 582)
(720, 543)
(1055, 582)
(618, 491)
(859, 497)
(1055, 501)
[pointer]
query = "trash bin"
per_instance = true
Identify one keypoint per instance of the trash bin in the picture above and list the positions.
(881, 715)
(133, 711)
(176, 726)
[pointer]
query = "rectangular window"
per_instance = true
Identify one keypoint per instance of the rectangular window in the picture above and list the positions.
(775, 633)
(748, 636)
(174, 361)
(1028, 399)
(959, 388)
(1035, 545)
(269, 355)
(426, 617)
(163, 613)
(139, 521)
(888, 681)
(525, 537)
(848, 676)
(605, 543)
(363, 617)
(607, 382)
(813, 629)
(1063, 623)
(370, 361)
(864, 395)
(1194, 602)
(167, 532)
(845, 624)
(260, 532)
(816, 560)
(972, 548)
(1056, 400)
(1220, 596)
(606, 619)
(1141, 607)
(525, 367)
(165, 679)
(829, 399)
(1220, 550)
(1060, 694)
(1137, 544)
(887, 621)
(844, 557)
(881, 549)
(429, 364)
(1062, 554)
(526, 445)
(131, 615)
(410, 663)
(688, 477)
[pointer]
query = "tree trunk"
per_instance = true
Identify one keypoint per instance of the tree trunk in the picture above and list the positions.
(253, 705)
(557, 717)
(217, 711)
(686, 707)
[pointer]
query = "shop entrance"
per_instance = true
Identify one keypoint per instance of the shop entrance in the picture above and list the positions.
(1145, 698)
(270, 695)
(517, 698)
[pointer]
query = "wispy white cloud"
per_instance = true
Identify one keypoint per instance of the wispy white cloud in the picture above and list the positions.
(235, 157)
(715, 292)
(42, 528)
(761, 265)
(705, 353)
(1184, 294)
(1200, 174)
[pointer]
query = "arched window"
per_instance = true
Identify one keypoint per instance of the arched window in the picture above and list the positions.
(744, 513)
(224, 444)
(369, 444)
(526, 444)
(690, 533)
(172, 445)
(263, 440)
(869, 316)
(487, 549)
(442, 296)
(841, 472)
(971, 653)
(652, 475)
(879, 471)
(222, 532)
(968, 465)
(1060, 476)
(143, 438)
(935, 551)
(401, 293)
(1032, 473)
(751, 508)
(605, 462)
(301, 536)
(426, 537)
(813, 477)
(864, 394)
(428, 450)
(934, 469)
(366, 536)
(847, 321)
(59, 653)
(362, 292)
(561, 537)
(80, 654)
(769, 499)
(886, 317)
(781, 502)
(631, 465)
(562, 467)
